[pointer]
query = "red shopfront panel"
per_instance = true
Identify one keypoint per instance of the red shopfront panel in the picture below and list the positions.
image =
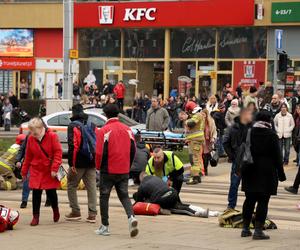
(48, 43)
(249, 73)
(164, 14)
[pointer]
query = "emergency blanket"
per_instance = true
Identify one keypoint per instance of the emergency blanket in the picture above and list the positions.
(8, 218)
(143, 208)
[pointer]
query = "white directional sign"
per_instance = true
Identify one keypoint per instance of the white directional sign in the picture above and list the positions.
(278, 38)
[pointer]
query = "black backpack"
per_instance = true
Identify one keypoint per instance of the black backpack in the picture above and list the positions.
(244, 157)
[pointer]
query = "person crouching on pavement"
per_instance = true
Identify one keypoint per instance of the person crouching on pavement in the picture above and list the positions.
(115, 150)
(43, 158)
(167, 166)
(8, 180)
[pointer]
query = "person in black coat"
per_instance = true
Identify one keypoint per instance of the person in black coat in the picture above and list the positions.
(260, 179)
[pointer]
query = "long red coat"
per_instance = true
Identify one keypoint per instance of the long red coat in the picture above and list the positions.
(37, 163)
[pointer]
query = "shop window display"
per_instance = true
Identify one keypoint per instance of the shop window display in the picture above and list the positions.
(144, 43)
(99, 43)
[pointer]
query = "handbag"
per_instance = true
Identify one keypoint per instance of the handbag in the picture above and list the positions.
(214, 157)
(144, 208)
(61, 173)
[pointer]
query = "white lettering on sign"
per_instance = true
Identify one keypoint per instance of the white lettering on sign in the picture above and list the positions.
(283, 12)
(136, 14)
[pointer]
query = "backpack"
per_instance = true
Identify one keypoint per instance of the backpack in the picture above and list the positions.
(88, 143)
(244, 157)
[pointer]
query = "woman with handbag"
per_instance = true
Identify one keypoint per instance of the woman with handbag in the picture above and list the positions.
(210, 134)
(43, 158)
(260, 179)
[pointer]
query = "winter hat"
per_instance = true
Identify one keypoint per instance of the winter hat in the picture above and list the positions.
(252, 90)
(235, 101)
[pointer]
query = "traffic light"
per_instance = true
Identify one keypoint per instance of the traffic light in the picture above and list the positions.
(283, 62)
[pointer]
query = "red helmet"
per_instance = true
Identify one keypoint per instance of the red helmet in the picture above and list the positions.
(20, 138)
(189, 107)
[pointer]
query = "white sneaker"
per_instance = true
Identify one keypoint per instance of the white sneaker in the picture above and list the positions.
(130, 183)
(103, 230)
(203, 214)
(133, 223)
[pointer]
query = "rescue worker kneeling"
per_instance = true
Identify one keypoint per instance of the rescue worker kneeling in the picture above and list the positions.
(167, 166)
(8, 180)
(155, 190)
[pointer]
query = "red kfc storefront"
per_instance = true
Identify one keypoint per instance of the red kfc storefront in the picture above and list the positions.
(159, 43)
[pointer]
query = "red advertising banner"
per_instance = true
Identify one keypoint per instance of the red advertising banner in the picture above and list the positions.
(249, 73)
(164, 14)
(17, 63)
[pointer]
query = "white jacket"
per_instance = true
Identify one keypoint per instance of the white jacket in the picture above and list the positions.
(284, 125)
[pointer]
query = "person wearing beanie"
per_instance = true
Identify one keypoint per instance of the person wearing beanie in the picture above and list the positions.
(82, 166)
(232, 112)
(260, 180)
(252, 97)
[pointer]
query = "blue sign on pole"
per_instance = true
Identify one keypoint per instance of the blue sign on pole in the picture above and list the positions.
(278, 38)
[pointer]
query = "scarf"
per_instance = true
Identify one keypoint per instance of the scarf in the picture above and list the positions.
(261, 124)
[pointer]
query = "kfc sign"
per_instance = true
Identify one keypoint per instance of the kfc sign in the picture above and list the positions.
(164, 14)
(106, 14)
(137, 14)
(248, 73)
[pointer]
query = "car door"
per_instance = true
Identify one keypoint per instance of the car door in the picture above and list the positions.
(59, 124)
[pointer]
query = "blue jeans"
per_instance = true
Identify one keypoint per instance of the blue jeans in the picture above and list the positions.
(26, 189)
(285, 146)
(234, 188)
(219, 145)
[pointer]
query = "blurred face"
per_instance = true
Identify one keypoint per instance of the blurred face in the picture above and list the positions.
(183, 116)
(154, 103)
(234, 105)
(298, 110)
(37, 132)
(213, 100)
(229, 97)
(246, 117)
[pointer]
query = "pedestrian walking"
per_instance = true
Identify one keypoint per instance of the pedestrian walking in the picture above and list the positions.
(210, 135)
(59, 85)
(219, 117)
(43, 158)
(284, 125)
(232, 112)
(7, 109)
(158, 118)
(260, 180)
(115, 150)
(81, 160)
(120, 91)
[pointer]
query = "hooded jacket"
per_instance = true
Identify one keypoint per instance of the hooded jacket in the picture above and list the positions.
(141, 158)
(230, 115)
(284, 125)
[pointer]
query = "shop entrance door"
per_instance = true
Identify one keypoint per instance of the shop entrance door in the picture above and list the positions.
(23, 84)
(112, 76)
(203, 86)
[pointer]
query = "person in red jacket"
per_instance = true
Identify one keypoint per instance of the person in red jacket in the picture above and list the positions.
(115, 151)
(42, 158)
(119, 91)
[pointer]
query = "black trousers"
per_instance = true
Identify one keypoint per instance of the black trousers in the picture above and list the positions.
(120, 182)
(206, 158)
(120, 102)
(37, 196)
(168, 200)
(262, 201)
(297, 180)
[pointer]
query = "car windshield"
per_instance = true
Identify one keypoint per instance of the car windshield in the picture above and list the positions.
(127, 121)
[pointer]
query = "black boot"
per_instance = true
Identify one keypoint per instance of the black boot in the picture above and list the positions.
(258, 233)
(48, 203)
(246, 229)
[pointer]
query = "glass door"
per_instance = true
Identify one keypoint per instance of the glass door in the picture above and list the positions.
(205, 85)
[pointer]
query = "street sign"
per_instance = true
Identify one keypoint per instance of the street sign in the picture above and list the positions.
(278, 38)
(284, 12)
(73, 54)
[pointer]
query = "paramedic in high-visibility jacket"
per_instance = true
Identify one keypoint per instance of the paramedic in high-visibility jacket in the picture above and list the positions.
(167, 166)
(194, 129)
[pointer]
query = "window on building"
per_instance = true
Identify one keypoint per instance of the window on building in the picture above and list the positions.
(99, 43)
(193, 43)
(144, 43)
(242, 43)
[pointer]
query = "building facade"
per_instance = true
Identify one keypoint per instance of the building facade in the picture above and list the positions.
(211, 42)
